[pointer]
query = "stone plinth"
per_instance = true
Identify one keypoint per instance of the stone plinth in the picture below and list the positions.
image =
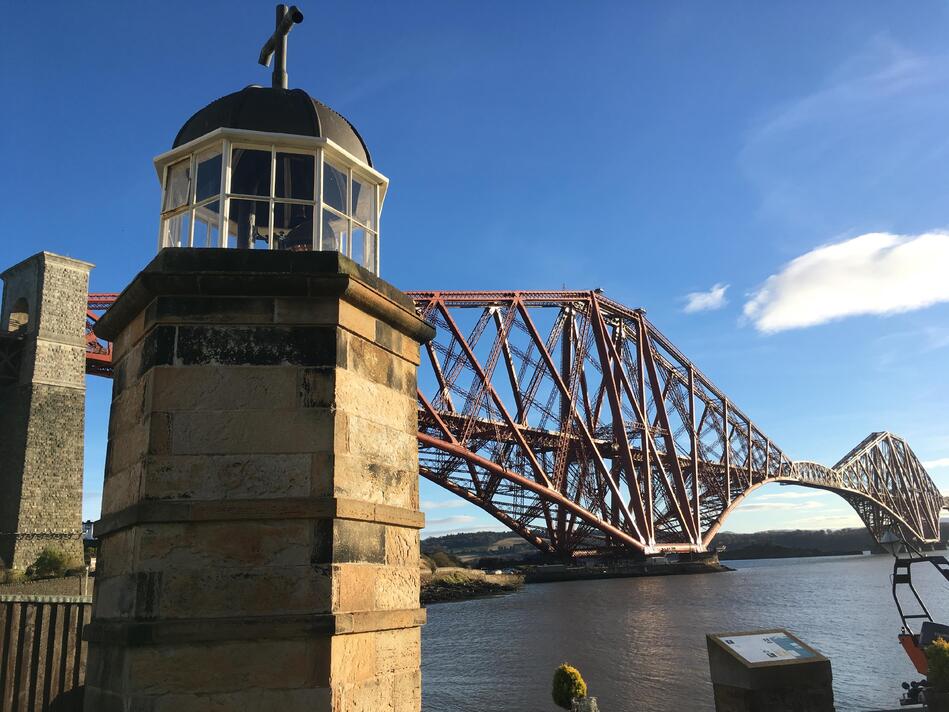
(259, 535)
(42, 407)
(780, 674)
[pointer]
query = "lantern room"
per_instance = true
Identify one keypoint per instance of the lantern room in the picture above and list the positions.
(271, 168)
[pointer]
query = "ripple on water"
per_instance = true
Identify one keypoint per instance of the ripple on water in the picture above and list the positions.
(640, 643)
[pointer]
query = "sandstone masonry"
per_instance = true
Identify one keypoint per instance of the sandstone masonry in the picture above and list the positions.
(42, 411)
(259, 536)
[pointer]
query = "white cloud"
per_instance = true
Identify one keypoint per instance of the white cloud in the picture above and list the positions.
(793, 495)
(781, 506)
(447, 521)
(856, 142)
(876, 273)
(429, 505)
(706, 301)
(936, 464)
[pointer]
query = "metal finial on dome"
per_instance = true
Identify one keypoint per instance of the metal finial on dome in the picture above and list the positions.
(277, 44)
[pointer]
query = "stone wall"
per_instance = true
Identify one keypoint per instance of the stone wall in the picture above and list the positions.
(42, 415)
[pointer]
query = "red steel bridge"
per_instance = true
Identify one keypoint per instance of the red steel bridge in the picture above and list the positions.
(574, 422)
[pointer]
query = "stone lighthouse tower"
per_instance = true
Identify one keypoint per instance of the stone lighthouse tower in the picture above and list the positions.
(260, 510)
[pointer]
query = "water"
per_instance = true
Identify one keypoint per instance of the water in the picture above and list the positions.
(640, 643)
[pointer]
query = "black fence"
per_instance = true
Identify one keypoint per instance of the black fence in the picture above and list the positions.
(42, 654)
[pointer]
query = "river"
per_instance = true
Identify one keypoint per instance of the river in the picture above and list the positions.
(640, 643)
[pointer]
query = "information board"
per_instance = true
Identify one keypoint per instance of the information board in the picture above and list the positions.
(766, 647)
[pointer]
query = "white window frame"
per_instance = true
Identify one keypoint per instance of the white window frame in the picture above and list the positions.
(227, 140)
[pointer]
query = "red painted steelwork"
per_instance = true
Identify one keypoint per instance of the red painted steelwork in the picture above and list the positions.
(571, 418)
(98, 351)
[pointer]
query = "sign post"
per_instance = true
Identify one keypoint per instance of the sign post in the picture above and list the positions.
(768, 671)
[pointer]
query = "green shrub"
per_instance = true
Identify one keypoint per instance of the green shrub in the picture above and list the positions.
(443, 559)
(937, 655)
(51, 563)
(568, 685)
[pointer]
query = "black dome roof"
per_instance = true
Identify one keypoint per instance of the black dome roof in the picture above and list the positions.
(289, 111)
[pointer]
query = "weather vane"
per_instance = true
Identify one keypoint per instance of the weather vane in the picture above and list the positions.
(277, 44)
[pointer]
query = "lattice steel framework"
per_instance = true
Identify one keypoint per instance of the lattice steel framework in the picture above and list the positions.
(573, 421)
(98, 351)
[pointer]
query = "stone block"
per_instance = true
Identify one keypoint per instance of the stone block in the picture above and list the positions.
(225, 477)
(367, 587)
(380, 443)
(223, 667)
(402, 546)
(366, 359)
(360, 397)
(317, 388)
(229, 432)
(358, 542)
(226, 593)
(202, 388)
(125, 485)
(355, 477)
(202, 546)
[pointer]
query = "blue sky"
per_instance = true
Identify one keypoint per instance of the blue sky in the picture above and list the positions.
(783, 163)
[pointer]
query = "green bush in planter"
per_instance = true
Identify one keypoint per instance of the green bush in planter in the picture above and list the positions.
(937, 655)
(568, 684)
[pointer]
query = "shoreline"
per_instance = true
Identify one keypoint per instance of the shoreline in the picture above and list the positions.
(636, 570)
(447, 584)
(436, 592)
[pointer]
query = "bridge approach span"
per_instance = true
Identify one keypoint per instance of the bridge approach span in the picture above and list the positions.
(574, 422)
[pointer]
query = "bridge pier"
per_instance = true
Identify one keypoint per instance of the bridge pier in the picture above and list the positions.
(42, 394)
(260, 507)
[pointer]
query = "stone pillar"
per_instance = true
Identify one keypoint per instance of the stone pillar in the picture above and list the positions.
(259, 534)
(768, 671)
(42, 408)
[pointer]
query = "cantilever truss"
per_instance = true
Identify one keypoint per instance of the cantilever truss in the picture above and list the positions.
(573, 421)
(98, 351)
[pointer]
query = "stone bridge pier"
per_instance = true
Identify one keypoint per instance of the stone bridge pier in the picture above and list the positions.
(42, 406)
(259, 534)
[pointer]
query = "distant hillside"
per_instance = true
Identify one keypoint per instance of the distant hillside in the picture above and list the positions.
(497, 547)
(801, 542)
(481, 549)
(468, 540)
(796, 542)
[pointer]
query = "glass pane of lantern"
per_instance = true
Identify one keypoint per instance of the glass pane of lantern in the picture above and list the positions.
(334, 187)
(293, 227)
(177, 185)
(206, 222)
(294, 176)
(248, 224)
(174, 231)
(335, 233)
(371, 262)
(360, 247)
(364, 199)
(208, 182)
(250, 172)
